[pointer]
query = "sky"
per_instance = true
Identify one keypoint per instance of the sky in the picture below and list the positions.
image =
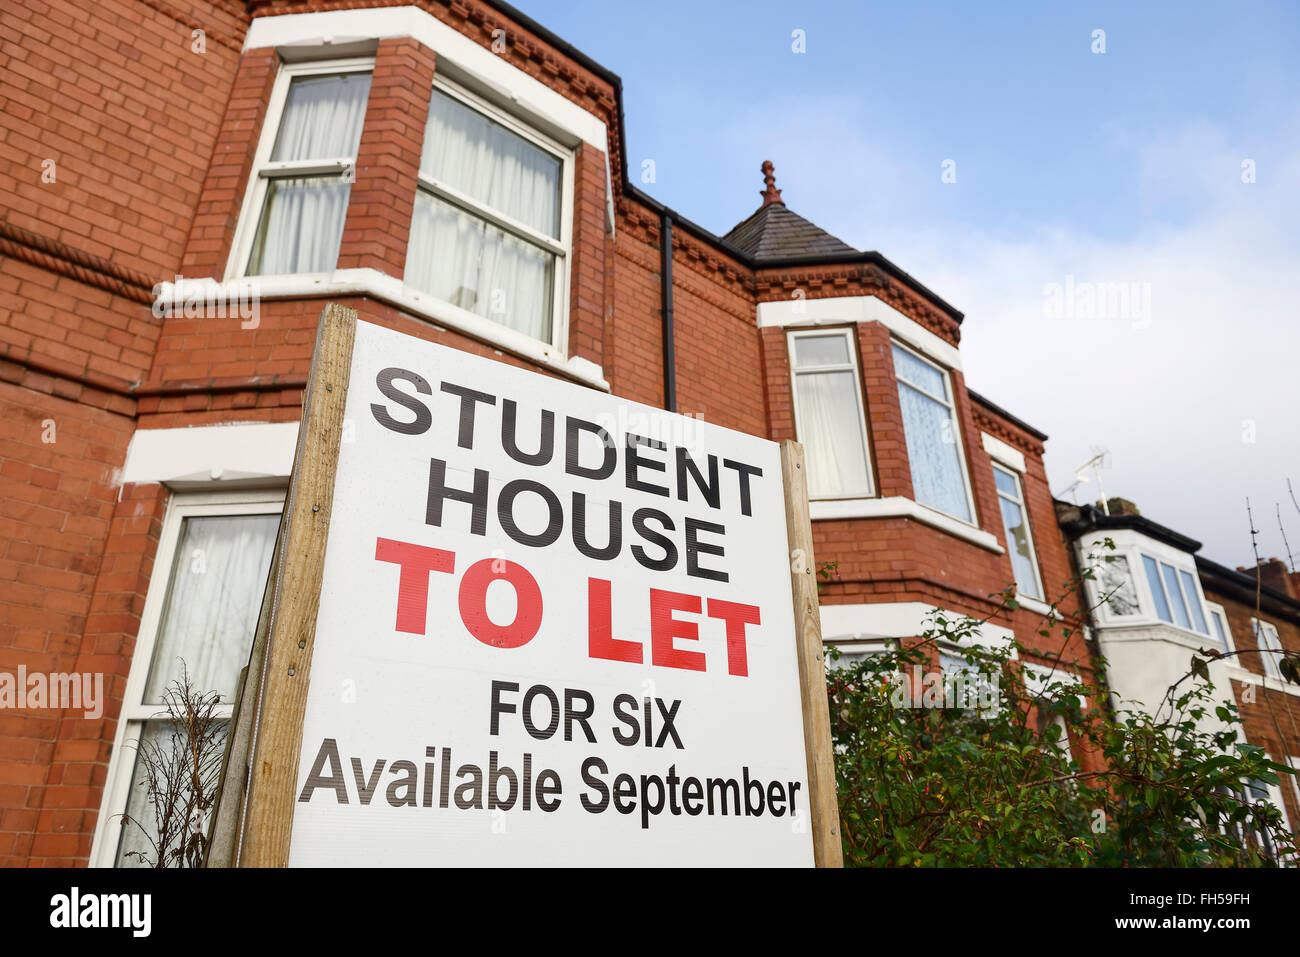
(1166, 167)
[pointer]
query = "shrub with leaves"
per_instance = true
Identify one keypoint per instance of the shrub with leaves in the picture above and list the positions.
(969, 784)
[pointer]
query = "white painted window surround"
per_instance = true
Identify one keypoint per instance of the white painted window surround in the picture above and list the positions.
(869, 625)
(324, 36)
(1002, 453)
(896, 506)
(798, 313)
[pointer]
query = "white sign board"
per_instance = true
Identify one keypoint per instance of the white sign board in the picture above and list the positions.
(555, 628)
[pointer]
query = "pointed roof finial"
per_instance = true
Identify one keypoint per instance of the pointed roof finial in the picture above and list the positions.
(771, 194)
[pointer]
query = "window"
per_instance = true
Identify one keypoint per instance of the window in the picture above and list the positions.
(490, 230)
(202, 613)
(933, 440)
(1117, 587)
(1219, 625)
(1015, 520)
(829, 413)
(298, 190)
(1177, 599)
(1270, 647)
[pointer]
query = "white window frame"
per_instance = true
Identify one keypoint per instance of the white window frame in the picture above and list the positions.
(121, 768)
(1029, 531)
(1038, 678)
(1198, 597)
(848, 334)
(1268, 660)
(263, 170)
(1214, 608)
(561, 248)
(951, 404)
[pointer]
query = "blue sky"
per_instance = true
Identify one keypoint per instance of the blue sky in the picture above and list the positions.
(1122, 167)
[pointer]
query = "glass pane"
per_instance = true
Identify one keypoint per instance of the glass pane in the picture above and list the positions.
(937, 477)
(1219, 628)
(1006, 483)
(1266, 636)
(830, 428)
(213, 600)
(1117, 583)
(1175, 596)
(473, 264)
(821, 351)
(1022, 555)
(302, 224)
(1193, 601)
(140, 829)
(908, 368)
(1157, 590)
(489, 163)
(322, 117)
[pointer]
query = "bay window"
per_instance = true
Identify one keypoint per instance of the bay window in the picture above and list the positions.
(490, 228)
(301, 179)
(1176, 597)
(1117, 587)
(1020, 543)
(932, 435)
(830, 417)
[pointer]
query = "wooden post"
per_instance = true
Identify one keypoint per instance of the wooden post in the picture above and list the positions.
(281, 701)
(827, 849)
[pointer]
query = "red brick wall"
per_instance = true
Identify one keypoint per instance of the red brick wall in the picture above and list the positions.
(61, 450)
(382, 199)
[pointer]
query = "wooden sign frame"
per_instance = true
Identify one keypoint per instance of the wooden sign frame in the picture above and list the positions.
(253, 817)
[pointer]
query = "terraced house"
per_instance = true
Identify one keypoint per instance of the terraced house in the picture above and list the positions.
(187, 182)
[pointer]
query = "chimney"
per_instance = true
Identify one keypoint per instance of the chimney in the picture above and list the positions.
(1120, 506)
(1273, 574)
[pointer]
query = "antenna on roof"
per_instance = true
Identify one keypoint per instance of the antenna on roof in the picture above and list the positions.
(1100, 460)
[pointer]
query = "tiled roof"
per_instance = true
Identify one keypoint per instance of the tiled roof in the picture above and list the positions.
(774, 232)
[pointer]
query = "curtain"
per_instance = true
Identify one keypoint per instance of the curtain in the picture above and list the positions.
(302, 219)
(491, 164)
(322, 117)
(460, 257)
(213, 601)
(937, 478)
(832, 434)
(472, 264)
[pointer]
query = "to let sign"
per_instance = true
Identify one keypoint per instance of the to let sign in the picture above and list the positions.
(554, 627)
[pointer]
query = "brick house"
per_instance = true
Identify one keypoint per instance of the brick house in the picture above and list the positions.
(186, 183)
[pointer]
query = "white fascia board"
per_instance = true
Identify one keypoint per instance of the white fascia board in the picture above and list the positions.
(898, 507)
(1002, 453)
(390, 289)
(516, 88)
(903, 619)
(855, 309)
(211, 453)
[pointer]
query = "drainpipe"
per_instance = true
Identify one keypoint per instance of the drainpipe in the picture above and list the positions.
(666, 308)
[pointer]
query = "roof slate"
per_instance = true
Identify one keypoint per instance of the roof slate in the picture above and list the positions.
(774, 232)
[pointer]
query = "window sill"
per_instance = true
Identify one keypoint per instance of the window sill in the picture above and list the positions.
(1037, 606)
(1244, 675)
(389, 289)
(899, 507)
